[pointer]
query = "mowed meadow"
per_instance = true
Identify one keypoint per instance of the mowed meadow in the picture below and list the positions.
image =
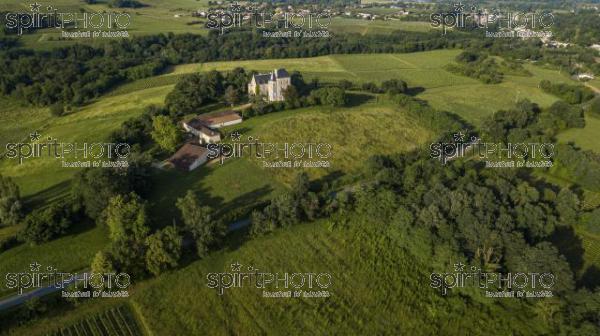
(366, 262)
(367, 126)
(423, 71)
(158, 16)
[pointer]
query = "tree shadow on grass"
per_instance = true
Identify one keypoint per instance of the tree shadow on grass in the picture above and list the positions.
(569, 244)
(590, 279)
(413, 91)
(242, 206)
(354, 99)
(58, 193)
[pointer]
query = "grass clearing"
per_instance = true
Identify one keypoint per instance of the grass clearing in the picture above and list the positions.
(71, 253)
(354, 133)
(587, 137)
(352, 257)
(366, 27)
(465, 96)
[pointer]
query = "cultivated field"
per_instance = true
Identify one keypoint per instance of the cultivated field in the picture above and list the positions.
(587, 137)
(362, 266)
(365, 27)
(467, 97)
(354, 133)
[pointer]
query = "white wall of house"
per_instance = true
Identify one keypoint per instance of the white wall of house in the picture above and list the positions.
(205, 138)
(200, 161)
(228, 123)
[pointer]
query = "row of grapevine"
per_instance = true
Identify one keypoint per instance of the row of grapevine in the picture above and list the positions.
(118, 321)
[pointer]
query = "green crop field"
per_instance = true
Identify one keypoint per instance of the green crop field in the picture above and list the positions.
(158, 16)
(365, 27)
(90, 317)
(465, 96)
(354, 133)
(71, 253)
(362, 265)
(115, 321)
(587, 137)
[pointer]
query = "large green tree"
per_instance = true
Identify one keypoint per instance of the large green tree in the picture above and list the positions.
(200, 223)
(165, 133)
(10, 202)
(164, 250)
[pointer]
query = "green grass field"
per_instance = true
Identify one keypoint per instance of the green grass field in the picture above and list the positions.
(354, 133)
(341, 25)
(115, 321)
(587, 137)
(71, 253)
(238, 183)
(159, 16)
(92, 123)
(365, 262)
(467, 97)
(362, 266)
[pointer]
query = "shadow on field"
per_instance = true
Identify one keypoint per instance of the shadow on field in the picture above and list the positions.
(590, 279)
(569, 244)
(356, 99)
(58, 193)
(413, 91)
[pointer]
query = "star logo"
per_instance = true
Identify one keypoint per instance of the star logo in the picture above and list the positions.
(459, 267)
(236, 267)
(459, 7)
(35, 7)
(35, 136)
(235, 136)
(35, 267)
(236, 7)
(460, 136)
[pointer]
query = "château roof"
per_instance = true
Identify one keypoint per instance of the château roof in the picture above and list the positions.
(266, 77)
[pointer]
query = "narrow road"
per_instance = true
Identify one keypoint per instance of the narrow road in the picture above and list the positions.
(17, 299)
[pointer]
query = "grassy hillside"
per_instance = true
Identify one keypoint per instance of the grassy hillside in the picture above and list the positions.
(365, 27)
(158, 16)
(354, 133)
(465, 96)
(71, 253)
(378, 287)
(587, 137)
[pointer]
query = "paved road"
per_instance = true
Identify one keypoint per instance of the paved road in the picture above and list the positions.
(16, 299)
